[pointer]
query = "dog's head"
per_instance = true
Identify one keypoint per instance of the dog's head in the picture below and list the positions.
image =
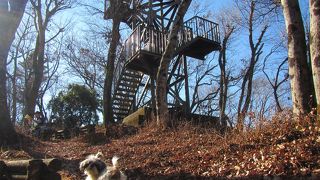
(93, 166)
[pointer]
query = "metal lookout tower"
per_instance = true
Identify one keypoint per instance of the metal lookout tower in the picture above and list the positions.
(150, 21)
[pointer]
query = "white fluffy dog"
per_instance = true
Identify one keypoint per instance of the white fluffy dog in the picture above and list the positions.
(96, 169)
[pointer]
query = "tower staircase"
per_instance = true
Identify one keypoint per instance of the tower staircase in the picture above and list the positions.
(142, 53)
(125, 92)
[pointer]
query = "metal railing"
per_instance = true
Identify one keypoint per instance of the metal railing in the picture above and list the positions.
(147, 39)
(155, 41)
(185, 35)
(119, 67)
(204, 28)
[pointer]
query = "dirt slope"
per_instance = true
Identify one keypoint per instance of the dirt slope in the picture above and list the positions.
(280, 148)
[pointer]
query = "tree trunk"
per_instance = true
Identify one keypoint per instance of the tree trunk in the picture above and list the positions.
(277, 84)
(256, 51)
(276, 98)
(107, 91)
(14, 91)
(9, 21)
(224, 79)
(300, 77)
(315, 48)
(43, 13)
(117, 11)
(14, 85)
(34, 83)
(162, 74)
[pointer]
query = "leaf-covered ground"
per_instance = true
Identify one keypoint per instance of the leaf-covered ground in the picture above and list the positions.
(281, 148)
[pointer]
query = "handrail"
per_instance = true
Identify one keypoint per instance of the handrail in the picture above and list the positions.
(118, 68)
(155, 41)
(204, 28)
(198, 17)
(147, 39)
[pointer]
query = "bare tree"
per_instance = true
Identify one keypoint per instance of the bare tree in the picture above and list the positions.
(51, 74)
(228, 27)
(299, 73)
(261, 102)
(162, 74)
(201, 8)
(203, 88)
(256, 51)
(117, 11)
(43, 12)
(277, 82)
(19, 47)
(86, 61)
(315, 47)
(10, 19)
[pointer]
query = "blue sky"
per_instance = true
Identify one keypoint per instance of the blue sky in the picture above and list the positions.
(79, 18)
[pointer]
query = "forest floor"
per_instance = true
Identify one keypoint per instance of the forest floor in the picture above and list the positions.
(280, 148)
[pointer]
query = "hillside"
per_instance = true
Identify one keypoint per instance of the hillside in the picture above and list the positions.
(277, 148)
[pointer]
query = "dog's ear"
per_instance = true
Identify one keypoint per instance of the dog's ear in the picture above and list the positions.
(99, 155)
(84, 164)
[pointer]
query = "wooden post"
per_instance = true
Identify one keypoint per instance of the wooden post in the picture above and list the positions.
(34, 169)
